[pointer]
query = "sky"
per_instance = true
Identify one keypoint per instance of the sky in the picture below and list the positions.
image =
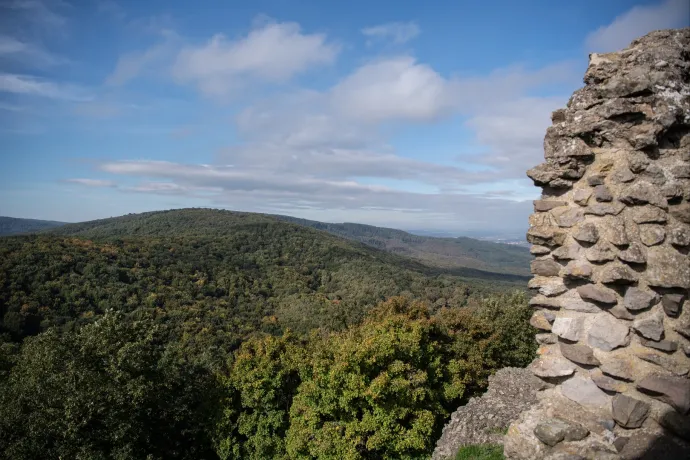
(405, 114)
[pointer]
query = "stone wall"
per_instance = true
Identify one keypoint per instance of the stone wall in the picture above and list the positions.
(610, 236)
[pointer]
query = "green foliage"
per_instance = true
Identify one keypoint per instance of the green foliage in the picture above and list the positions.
(14, 226)
(207, 334)
(481, 452)
(114, 389)
(461, 254)
(261, 384)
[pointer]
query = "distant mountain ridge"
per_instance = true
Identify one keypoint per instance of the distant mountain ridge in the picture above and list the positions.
(15, 226)
(447, 253)
(440, 252)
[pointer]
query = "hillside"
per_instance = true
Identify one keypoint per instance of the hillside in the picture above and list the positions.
(267, 274)
(213, 334)
(14, 226)
(439, 252)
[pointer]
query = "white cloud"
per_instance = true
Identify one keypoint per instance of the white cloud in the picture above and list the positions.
(397, 88)
(33, 86)
(92, 182)
(274, 52)
(132, 65)
(397, 32)
(27, 53)
(636, 22)
(265, 191)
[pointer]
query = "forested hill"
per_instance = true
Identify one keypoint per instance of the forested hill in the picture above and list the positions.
(440, 252)
(14, 226)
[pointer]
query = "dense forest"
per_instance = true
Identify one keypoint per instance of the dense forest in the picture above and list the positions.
(212, 334)
(14, 226)
(435, 251)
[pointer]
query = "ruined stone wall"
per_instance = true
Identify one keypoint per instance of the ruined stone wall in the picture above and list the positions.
(610, 236)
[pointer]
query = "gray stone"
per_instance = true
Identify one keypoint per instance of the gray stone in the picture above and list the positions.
(674, 391)
(602, 193)
(622, 174)
(545, 267)
(581, 196)
(667, 268)
(665, 362)
(607, 383)
(551, 366)
(681, 212)
(650, 326)
(681, 171)
(638, 162)
(580, 354)
(607, 332)
(595, 179)
(618, 368)
(546, 339)
(662, 345)
(683, 325)
(568, 328)
(636, 299)
(547, 205)
(537, 250)
(635, 254)
(620, 312)
(539, 301)
(629, 412)
(545, 236)
(603, 209)
(614, 273)
(642, 193)
(674, 422)
(547, 286)
(583, 391)
(672, 304)
(568, 217)
(648, 215)
(595, 293)
(613, 230)
(600, 253)
(577, 270)
(539, 321)
(587, 233)
(567, 252)
(651, 235)
(679, 236)
(672, 190)
(553, 430)
(620, 442)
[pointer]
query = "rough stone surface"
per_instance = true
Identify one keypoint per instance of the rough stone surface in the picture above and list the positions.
(607, 333)
(483, 419)
(580, 354)
(554, 430)
(596, 293)
(629, 412)
(663, 345)
(636, 299)
(607, 383)
(545, 267)
(672, 304)
(635, 254)
(568, 328)
(587, 233)
(617, 274)
(618, 368)
(674, 391)
(651, 235)
(547, 286)
(650, 326)
(585, 392)
(539, 321)
(668, 268)
(618, 157)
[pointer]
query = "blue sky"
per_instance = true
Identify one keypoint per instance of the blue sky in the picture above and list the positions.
(416, 115)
